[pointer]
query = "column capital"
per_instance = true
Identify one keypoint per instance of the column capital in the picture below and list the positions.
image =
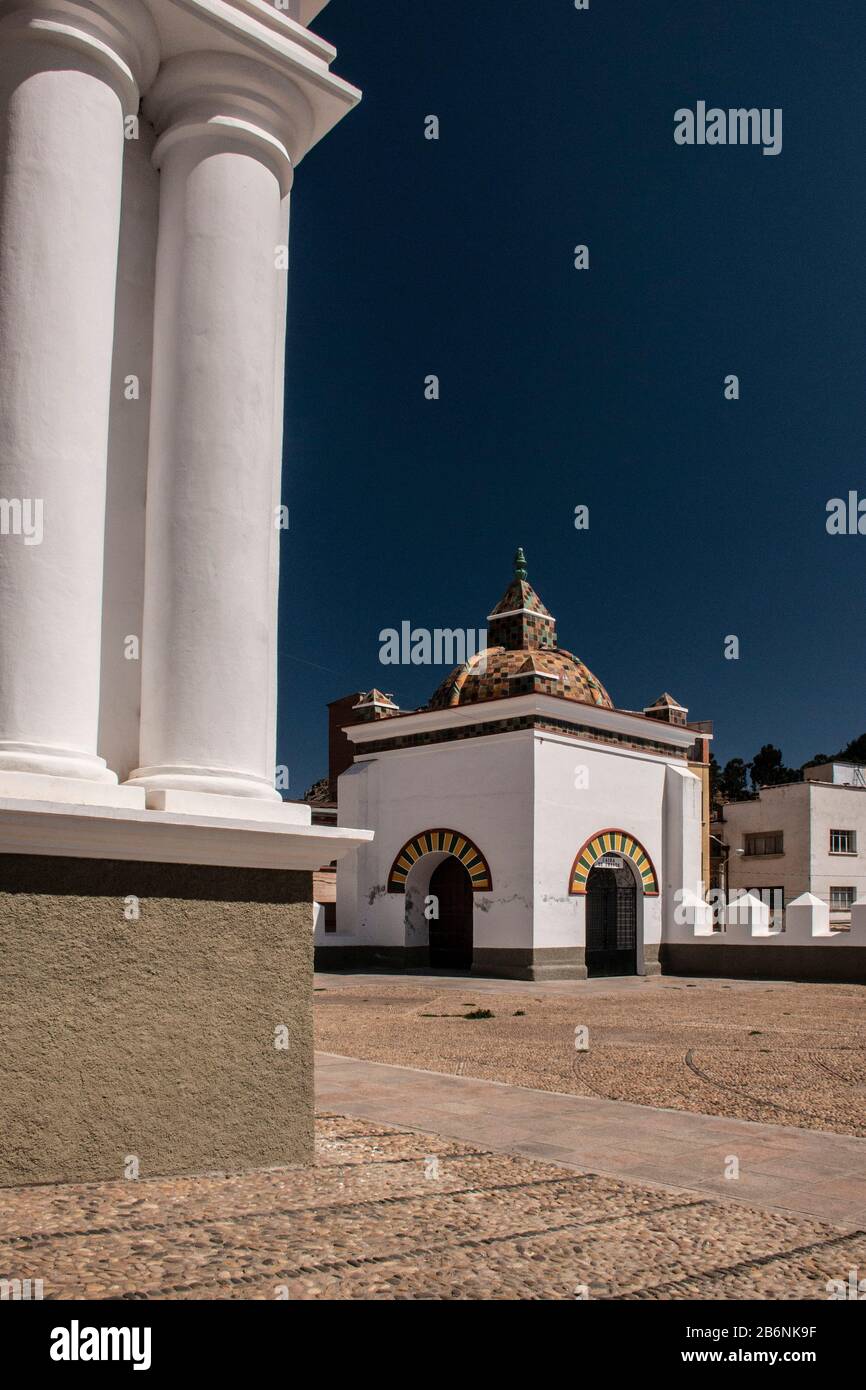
(228, 100)
(286, 108)
(119, 35)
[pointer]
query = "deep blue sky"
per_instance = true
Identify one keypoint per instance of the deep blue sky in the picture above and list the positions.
(603, 387)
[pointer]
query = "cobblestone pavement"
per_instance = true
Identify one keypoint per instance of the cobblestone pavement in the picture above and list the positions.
(786, 1054)
(391, 1214)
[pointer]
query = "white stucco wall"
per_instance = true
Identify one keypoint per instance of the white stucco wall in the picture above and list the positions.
(835, 807)
(482, 788)
(681, 866)
(582, 789)
(529, 800)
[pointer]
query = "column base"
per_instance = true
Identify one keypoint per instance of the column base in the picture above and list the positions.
(68, 791)
(236, 807)
(215, 781)
(41, 760)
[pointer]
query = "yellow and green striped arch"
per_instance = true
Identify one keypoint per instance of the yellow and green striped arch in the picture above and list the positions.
(439, 841)
(613, 842)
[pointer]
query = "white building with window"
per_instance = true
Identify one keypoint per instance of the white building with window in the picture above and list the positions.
(802, 837)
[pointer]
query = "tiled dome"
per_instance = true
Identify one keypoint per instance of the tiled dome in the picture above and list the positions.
(524, 658)
(497, 673)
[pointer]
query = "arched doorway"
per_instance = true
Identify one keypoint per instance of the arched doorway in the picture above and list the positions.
(451, 932)
(611, 920)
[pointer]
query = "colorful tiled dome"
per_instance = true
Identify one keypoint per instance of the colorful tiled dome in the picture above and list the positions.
(523, 658)
(496, 674)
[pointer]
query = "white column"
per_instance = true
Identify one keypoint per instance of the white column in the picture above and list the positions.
(69, 73)
(230, 131)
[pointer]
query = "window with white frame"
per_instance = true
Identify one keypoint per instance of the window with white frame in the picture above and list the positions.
(842, 899)
(843, 841)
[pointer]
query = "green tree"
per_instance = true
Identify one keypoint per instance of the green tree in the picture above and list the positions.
(733, 781)
(768, 770)
(855, 752)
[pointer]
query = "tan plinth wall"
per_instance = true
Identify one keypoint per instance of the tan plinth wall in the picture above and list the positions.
(152, 1039)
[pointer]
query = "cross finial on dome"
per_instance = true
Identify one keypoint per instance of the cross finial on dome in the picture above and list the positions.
(520, 570)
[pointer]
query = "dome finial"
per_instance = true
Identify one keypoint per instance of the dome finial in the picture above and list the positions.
(520, 571)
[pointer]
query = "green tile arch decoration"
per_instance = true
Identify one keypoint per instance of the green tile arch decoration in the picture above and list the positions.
(437, 842)
(612, 842)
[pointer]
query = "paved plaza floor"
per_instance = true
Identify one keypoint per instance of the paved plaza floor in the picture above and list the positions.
(773, 1052)
(391, 1214)
(446, 1175)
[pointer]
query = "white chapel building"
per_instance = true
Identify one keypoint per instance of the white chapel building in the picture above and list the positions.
(524, 826)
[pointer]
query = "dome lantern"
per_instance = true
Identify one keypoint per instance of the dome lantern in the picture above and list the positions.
(522, 656)
(520, 621)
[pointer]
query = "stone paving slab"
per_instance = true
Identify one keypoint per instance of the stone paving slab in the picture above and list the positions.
(390, 1214)
(806, 1171)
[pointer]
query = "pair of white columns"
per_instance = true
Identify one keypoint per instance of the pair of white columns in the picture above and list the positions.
(229, 132)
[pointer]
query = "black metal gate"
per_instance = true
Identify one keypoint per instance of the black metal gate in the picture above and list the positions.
(611, 922)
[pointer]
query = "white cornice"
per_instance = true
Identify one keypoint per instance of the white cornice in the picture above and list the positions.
(136, 39)
(263, 12)
(107, 832)
(518, 707)
(183, 22)
(214, 30)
